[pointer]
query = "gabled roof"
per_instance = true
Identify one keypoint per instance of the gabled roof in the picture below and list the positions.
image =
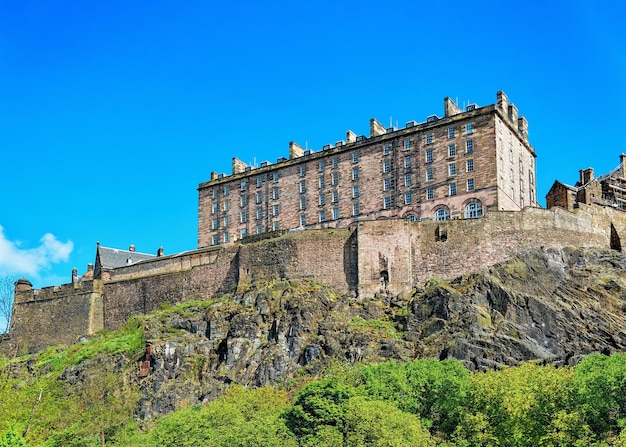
(110, 258)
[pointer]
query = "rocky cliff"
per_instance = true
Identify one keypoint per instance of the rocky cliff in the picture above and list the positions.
(547, 305)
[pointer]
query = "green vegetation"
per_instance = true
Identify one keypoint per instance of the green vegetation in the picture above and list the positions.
(418, 403)
(86, 395)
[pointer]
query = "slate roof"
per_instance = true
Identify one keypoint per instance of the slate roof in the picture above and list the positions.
(110, 258)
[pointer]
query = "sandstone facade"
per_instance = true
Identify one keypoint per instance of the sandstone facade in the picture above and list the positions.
(462, 165)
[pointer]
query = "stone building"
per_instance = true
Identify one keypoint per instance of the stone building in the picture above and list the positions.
(606, 190)
(461, 165)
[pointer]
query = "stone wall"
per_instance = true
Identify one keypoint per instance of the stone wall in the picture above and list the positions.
(389, 255)
(143, 287)
(324, 255)
(54, 315)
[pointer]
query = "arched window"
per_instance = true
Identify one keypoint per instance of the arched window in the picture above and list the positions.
(442, 214)
(473, 210)
(411, 217)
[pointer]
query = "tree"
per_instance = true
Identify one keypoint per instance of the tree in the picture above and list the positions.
(6, 303)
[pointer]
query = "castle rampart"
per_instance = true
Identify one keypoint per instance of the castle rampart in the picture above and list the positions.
(382, 256)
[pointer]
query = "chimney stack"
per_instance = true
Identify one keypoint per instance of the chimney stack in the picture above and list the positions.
(376, 128)
(132, 247)
(622, 160)
(586, 175)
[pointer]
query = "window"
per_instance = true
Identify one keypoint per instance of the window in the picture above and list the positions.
(450, 132)
(386, 166)
(226, 221)
(322, 165)
(214, 224)
(355, 174)
(302, 220)
(335, 162)
(469, 146)
(429, 138)
(322, 200)
(244, 185)
(452, 189)
(451, 169)
(512, 175)
(521, 167)
(470, 184)
(407, 143)
(335, 198)
(322, 181)
(322, 215)
(275, 210)
(387, 202)
(226, 205)
(334, 179)
(275, 176)
(355, 191)
(302, 170)
(469, 165)
(275, 193)
(302, 186)
(408, 198)
(451, 150)
(216, 208)
(226, 190)
(259, 181)
(302, 203)
(473, 210)
(355, 209)
(275, 226)
(429, 156)
(430, 193)
(215, 193)
(259, 213)
(386, 184)
(215, 239)
(243, 218)
(442, 214)
(226, 237)
(469, 128)
(408, 179)
(407, 161)
(355, 157)
(429, 174)
(335, 213)
(244, 200)
(259, 229)
(259, 197)
(244, 233)
(412, 218)
(386, 148)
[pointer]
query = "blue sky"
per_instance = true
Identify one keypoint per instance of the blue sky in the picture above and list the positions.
(112, 113)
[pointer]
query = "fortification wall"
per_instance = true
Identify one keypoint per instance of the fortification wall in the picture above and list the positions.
(324, 255)
(384, 257)
(54, 315)
(392, 256)
(450, 249)
(201, 274)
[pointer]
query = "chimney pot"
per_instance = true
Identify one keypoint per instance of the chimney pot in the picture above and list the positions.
(132, 247)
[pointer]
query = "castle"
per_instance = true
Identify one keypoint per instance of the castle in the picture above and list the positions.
(462, 165)
(389, 246)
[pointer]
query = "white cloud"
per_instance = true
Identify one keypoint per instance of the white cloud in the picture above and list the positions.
(15, 261)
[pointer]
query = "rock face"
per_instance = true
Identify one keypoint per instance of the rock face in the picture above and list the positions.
(546, 305)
